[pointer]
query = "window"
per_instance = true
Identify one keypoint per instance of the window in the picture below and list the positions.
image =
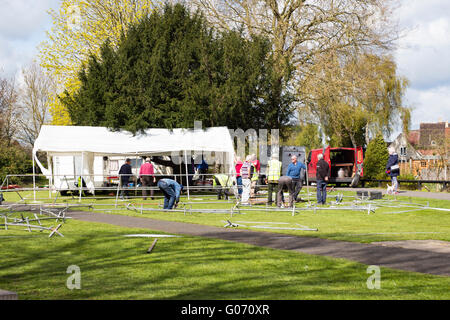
(403, 151)
(136, 163)
(423, 164)
(114, 165)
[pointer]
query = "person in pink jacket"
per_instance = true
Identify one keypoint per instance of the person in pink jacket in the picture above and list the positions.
(146, 173)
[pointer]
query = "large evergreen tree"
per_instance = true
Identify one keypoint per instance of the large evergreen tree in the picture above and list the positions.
(172, 69)
(376, 158)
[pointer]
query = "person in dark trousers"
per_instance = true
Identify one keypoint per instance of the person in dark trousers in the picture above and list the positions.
(172, 191)
(203, 170)
(273, 176)
(284, 183)
(393, 169)
(238, 167)
(147, 175)
(322, 177)
(295, 172)
(125, 173)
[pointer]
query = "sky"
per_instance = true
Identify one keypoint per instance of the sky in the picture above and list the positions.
(423, 53)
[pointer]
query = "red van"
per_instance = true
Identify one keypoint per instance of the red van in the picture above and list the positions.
(346, 165)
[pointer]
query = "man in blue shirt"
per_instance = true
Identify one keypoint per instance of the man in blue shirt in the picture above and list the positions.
(295, 172)
(172, 191)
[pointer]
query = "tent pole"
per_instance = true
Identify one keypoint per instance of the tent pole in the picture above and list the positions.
(187, 174)
(34, 180)
(50, 179)
(81, 175)
(137, 176)
(307, 181)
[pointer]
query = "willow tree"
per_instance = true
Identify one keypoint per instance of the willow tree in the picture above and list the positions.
(301, 30)
(355, 97)
(79, 29)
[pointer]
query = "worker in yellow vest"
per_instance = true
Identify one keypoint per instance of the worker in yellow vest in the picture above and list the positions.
(223, 183)
(273, 175)
(255, 178)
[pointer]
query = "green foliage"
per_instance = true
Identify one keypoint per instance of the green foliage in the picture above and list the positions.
(307, 136)
(172, 69)
(14, 160)
(408, 186)
(189, 268)
(376, 158)
(406, 176)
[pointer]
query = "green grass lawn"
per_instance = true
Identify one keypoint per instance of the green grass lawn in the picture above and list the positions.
(115, 267)
(386, 224)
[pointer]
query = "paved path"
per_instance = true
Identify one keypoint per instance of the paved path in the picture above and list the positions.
(392, 257)
(405, 193)
(8, 295)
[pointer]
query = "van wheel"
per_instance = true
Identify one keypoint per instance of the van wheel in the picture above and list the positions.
(355, 181)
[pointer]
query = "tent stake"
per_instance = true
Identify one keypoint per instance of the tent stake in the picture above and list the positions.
(152, 246)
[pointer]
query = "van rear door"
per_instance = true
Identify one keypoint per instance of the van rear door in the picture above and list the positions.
(359, 161)
(312, 164)
(327, 157)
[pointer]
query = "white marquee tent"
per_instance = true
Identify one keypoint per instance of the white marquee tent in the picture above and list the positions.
(94, 142)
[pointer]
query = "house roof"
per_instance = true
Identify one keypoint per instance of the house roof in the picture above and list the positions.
(414, 137)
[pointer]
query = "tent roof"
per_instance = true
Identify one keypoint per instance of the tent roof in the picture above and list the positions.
(100, 140)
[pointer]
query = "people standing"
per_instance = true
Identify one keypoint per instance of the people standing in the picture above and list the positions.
(172, 191)
(246, 171)
(203, 170)
(273, 175)
(285, 183)
(125, 174)
(255, 177)
(238, 167)
(147, 176)
(393, 169)
(295, 172)
(322, 177)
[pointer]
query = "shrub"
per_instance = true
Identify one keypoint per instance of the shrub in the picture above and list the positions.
(376, 158)
(14, 159)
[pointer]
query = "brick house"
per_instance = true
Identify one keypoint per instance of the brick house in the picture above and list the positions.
(425, 152)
